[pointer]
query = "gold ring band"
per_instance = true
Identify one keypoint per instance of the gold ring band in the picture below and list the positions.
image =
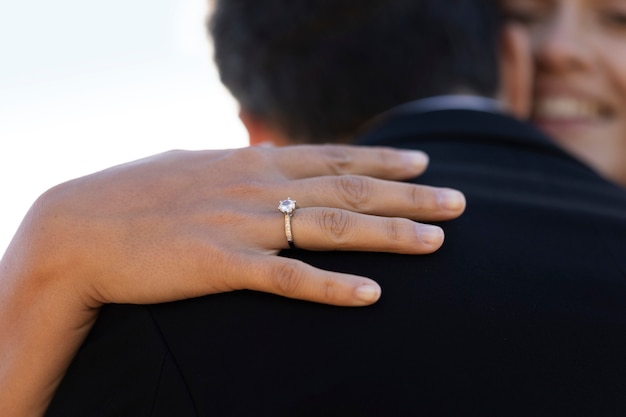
(288, 208)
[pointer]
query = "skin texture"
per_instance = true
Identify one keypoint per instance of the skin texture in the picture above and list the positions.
(186, 224)
(579, 50)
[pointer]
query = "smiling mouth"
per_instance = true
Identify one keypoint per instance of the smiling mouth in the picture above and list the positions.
(568, 109)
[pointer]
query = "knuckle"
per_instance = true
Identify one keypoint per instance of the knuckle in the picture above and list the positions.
(241, 167)
(338, 159)
(417, 197)
(330, 291)
(394, 229)
(250, 152)
(288, 278)
(337, 224)
(247, 157)
(355, 190)
(387, 157)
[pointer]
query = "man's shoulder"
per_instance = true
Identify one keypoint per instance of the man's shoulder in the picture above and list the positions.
(469, 148)
(124, 367)
(450, 123)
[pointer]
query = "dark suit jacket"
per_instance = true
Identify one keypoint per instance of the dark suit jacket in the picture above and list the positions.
(522, 312)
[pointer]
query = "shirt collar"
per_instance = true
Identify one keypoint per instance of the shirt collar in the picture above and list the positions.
(447, 102)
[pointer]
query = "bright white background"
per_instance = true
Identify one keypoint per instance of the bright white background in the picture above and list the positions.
(89, 84)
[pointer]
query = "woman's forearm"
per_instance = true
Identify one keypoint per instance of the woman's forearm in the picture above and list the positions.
(42, 324)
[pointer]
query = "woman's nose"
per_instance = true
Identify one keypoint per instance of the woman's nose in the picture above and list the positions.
(560, 45)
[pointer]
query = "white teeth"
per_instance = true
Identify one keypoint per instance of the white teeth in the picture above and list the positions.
(565, 108)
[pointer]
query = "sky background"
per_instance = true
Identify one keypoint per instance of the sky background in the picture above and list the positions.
(85, 85)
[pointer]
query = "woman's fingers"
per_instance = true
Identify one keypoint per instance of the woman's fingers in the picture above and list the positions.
(295, 279)
(333, 229)
(133, 227)
(305, 161)
(383, 198)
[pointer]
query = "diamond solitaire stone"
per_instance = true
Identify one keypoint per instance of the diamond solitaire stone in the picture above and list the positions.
(287, 206)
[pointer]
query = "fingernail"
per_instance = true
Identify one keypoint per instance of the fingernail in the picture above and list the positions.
(368, 293)
(428, 234)
(416, 158)
(450, 199)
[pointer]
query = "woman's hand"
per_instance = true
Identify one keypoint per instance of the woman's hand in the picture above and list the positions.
(186, 224)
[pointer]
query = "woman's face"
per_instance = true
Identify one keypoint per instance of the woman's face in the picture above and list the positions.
(579, 48)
